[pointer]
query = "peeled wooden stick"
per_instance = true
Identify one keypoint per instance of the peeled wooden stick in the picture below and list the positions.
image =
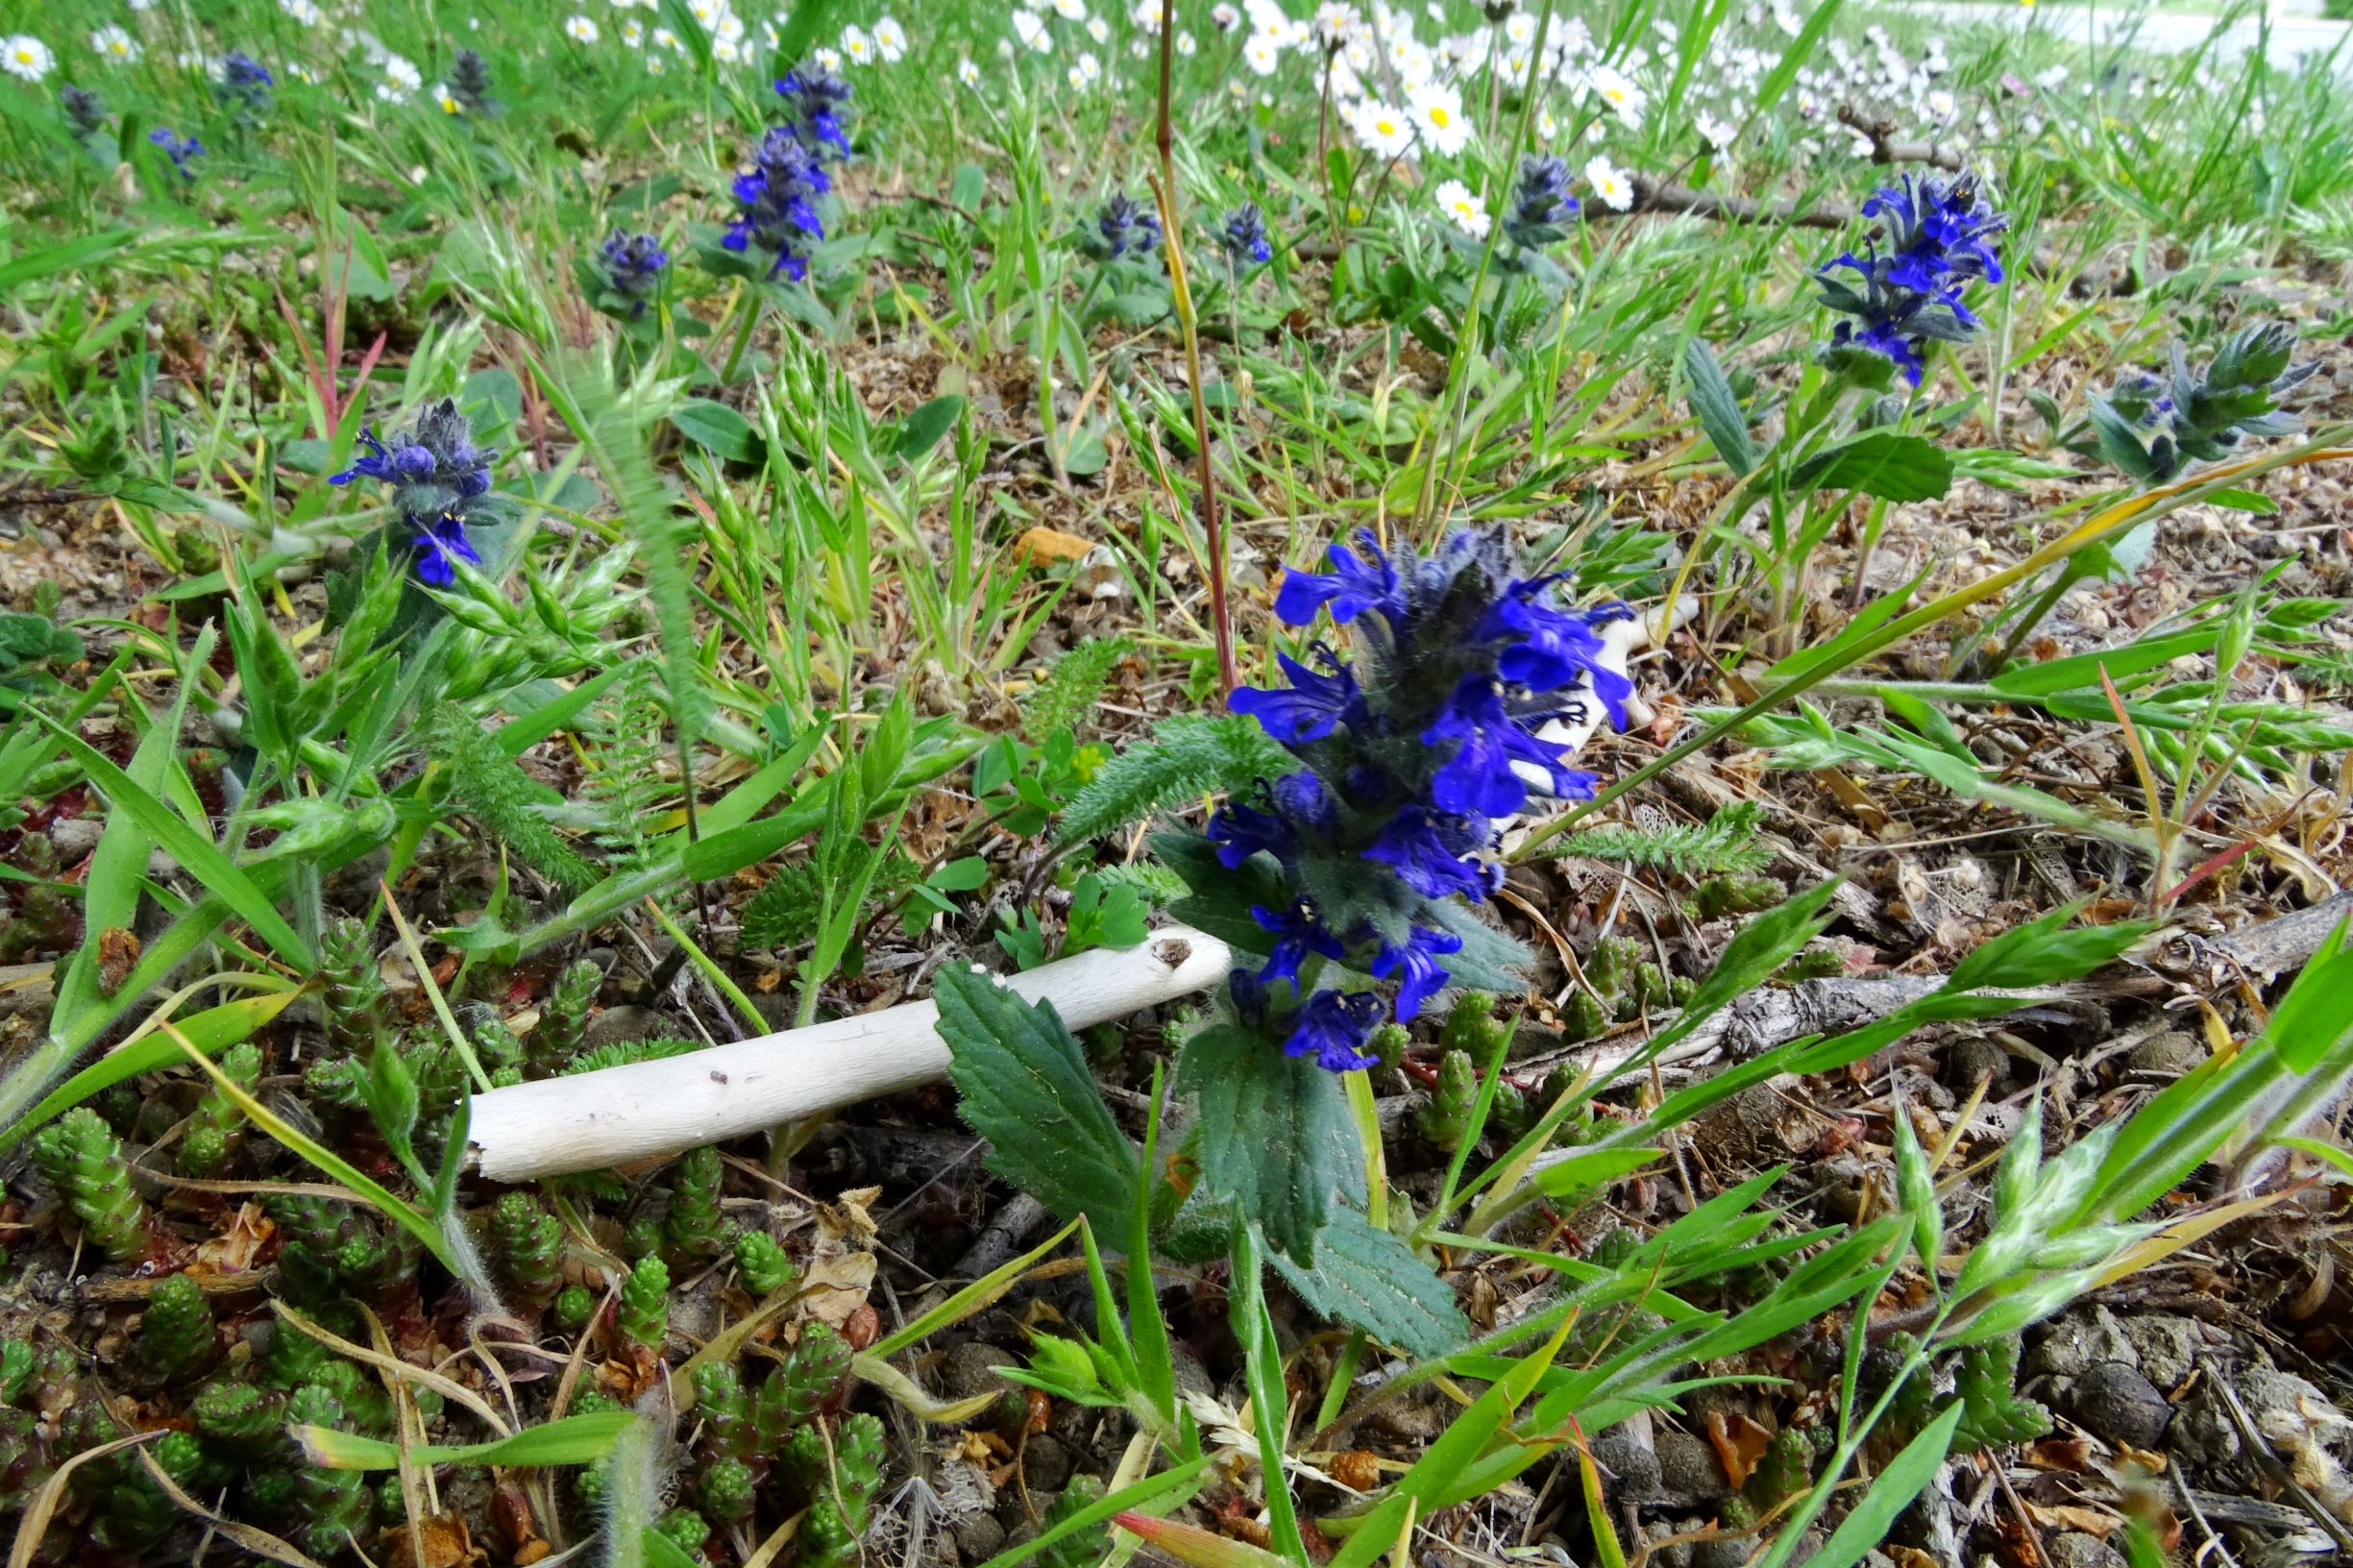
(615, 1114)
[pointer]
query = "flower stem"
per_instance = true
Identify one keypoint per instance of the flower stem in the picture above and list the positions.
(1163, 187)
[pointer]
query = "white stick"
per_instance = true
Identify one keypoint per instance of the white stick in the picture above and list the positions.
(609, 1117)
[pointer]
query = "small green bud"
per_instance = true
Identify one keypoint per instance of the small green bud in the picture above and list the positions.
(529, 1243)
(684, 1529)
(761, 1263)
(729, 1491)
(645, 1304)
(239, 1416)
(178, 1339)
(84, 1161)
(796, 1390)
(574, 1305)
(1447, 1117)
(725, 1410)
(693, 1227)
(562, 1015)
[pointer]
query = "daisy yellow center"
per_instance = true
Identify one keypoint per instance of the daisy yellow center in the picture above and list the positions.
(1439, 117)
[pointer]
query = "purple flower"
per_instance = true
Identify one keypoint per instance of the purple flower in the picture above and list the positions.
(1241, 831)
(1297, 934)
(1479, 779)
(1360, 580)
(177, 148)
(1334, 1027)
(437, 545)
(779, 196)
(1122, 228)
(1431, 855)
(633, 266)
(1244, 237)
(818, 101)
(1937, 237)
(1311, 707)
(1417, 963)
(436, 473)
(1556, 647)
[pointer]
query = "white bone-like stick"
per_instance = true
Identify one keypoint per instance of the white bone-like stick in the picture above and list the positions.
(617, 1114)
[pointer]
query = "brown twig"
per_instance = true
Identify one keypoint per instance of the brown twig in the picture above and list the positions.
(1886, 149)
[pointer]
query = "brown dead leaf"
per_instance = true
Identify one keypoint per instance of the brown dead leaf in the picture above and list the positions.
(118, 950)
(1911, 1557)
(235, 1249)
(2072, 1454)
(1739, 1442)
(2068, 1516)
(847, 1222)
(832, 1288)
(1042, 546)
(441, 1541)
(1358, 1469)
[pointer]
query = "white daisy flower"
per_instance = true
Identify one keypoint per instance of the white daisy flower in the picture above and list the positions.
(968, 73)
(26, 56)
(728, 51)
(1071, 75)
(1261, 52)
(890, 40)
(1463, 208)
(1612, 186)
(730, 28)
(1185, 44)
(1030, 28)
(1547, 127)
(1717, 134)
(1090, 69)
(1099, 30)
(446, 99)
(655, 64)
(1625, 99)
(401, 80)
(581, 29)
(1520, 27)
(1385, 132)
(1438, 114)
(857, 47)
(301, 72)
(1943, 106)
(827, 57)
(1145, 14)
(113, 45)
(1070, 10)
(304, 11)
(1224, 18)
(633, 33)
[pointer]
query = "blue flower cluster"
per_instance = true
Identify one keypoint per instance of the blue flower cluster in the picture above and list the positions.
(470, 83)
(819, 107)
(1244, 237)
(1408, 753)
(177, 148)
(244, 83)
(84, 112)
(1937, 237)
(633, 266)
(1541, 205)
(779, 194)
(438, 476)
(1122, 228)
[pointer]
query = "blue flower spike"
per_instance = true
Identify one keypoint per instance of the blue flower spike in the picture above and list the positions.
(1410, 753)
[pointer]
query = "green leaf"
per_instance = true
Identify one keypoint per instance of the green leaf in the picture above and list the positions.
(1369, 1279)
(1254, 1330)
(719, 430)
(2081, 671)
(1718, 411)
(1867, 1523)
(576, 1439)
(1176, 1478)
(1888, 464)
(200, 855)
(1279, 1139)
(2040, 953)
(212, 1031)
(1026, 1089)
(921, 431)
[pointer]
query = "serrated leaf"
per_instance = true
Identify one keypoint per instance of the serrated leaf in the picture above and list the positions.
(1277, 1141)
(1717, 409)
(1026, 1089)
(1884, 463)
(1369, 1279)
